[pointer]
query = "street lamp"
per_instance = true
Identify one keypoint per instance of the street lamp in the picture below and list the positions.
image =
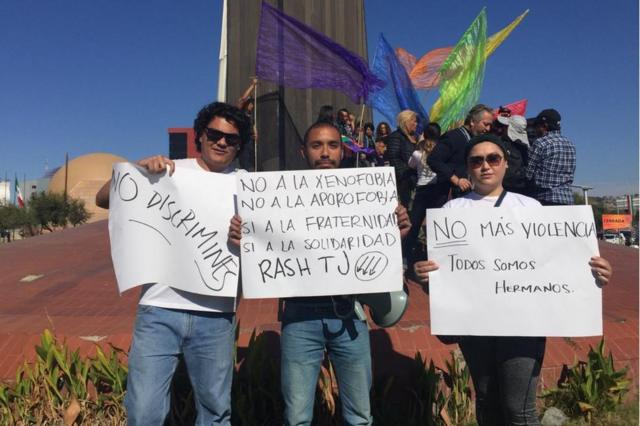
(585, 192)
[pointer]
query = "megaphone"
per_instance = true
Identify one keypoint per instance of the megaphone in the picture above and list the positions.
(386, 308)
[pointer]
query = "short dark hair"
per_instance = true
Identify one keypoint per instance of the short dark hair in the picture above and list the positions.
(369, 126)
(475, 113)
(317, 125)
(432, 131)
(486, 137)
(326, 114)
(230, 113)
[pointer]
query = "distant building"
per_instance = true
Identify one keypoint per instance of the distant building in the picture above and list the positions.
(85, 177)
(33, 186)
(627, 203)
(5, 193)
(182, 143)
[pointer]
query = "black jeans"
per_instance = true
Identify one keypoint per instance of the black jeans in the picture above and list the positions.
(430, 196)
(505, 373)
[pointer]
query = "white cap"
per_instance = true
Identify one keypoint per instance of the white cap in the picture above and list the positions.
(516, 127)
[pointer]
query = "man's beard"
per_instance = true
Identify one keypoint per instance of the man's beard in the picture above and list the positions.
(318, 163)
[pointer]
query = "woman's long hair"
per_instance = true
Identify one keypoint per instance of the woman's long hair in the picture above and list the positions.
(379, 134)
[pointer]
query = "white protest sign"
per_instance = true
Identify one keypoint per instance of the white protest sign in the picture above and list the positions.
(173, 230)
(319, 232)
(513, 272)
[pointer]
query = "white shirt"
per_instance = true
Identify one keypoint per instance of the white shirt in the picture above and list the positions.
(425, 174)
(167, 297)
(474, 199)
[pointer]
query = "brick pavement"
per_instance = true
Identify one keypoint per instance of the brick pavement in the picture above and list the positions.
(77, 298)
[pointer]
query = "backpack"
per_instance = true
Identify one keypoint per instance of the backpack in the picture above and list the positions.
(515, 178)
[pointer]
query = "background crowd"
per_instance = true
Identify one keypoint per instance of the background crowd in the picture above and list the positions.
(430, 166)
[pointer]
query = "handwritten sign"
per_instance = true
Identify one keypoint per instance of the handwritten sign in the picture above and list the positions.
(513, 272)
(319, 232)
(173, 230)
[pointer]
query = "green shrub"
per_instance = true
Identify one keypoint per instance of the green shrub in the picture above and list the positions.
(590, 387)
(457, 380)
(61, 385)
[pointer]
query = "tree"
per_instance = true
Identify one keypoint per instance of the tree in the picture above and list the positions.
(12, 217)
(49, 210)
(77, 214)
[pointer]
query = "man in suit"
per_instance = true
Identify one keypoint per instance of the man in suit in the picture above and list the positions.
(447, 158)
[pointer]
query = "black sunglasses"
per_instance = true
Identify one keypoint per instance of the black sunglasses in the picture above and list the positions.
(214, 136)
(492, 160)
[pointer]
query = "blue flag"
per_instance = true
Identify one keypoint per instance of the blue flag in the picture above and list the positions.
(398, 93)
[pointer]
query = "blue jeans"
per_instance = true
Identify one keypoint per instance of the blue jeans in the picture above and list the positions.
(205, 339)
(307, 330)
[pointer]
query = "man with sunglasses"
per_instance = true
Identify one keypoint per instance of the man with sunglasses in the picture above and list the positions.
(313, 325)
(171, 322)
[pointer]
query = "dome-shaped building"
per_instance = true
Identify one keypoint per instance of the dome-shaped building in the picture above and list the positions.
(86, 176)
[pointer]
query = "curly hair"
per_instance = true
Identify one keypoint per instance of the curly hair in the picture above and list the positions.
(379, 129)
(230, 113)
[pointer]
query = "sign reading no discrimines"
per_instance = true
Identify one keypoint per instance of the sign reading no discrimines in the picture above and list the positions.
(513, 272)
(173, 230)
(319, 232)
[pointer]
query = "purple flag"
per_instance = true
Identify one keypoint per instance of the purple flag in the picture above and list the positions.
(292, 54)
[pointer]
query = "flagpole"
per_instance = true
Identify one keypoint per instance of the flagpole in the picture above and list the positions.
(66, 176)
(24, 187)
(255, 127)
(360, 135)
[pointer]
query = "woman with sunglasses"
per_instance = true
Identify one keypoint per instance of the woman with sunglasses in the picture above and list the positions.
(504, 370)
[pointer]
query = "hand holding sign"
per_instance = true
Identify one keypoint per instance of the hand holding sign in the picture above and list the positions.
(167, 230)
(315, 232)
(157, 164)
(515, 272)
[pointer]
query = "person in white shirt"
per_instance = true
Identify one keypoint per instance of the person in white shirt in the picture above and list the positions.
(430, 194)
(171, 322)
(504, 370)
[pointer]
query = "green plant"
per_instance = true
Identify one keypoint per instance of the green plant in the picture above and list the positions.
(590, 387)
(60, 387)
(428, 399)
(458, 389)
(108, 375)
(50, 210)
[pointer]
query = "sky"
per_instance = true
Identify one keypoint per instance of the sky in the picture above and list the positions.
(113, 76)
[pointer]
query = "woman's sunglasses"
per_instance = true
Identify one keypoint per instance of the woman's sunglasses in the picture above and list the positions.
(492, 160)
